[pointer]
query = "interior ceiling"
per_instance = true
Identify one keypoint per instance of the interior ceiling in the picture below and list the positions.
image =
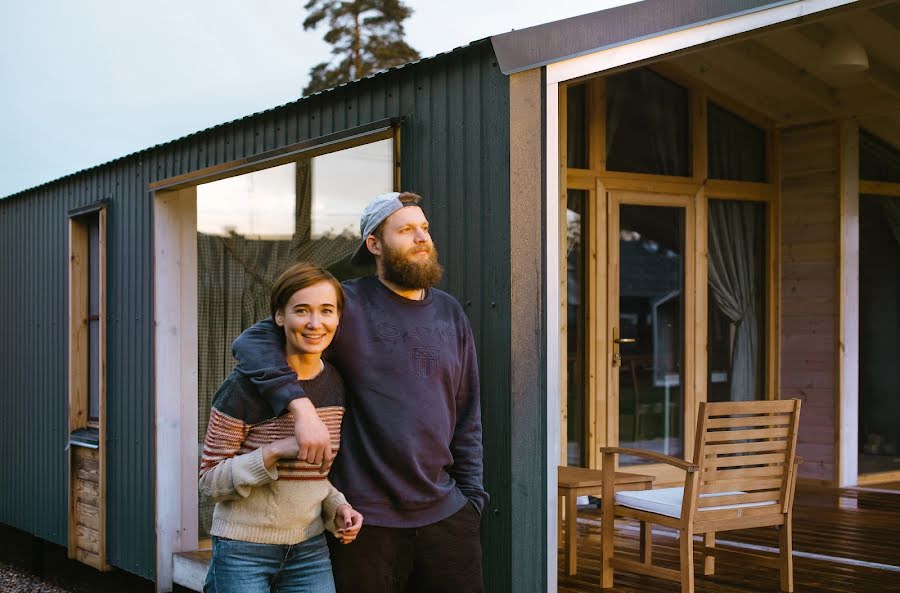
(778, 73)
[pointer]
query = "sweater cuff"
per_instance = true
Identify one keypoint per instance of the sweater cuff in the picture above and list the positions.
(249, 471)
(329, 509)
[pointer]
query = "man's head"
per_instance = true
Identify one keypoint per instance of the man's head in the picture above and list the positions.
(396, 237)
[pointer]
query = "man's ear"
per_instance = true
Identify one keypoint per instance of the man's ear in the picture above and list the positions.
(373, 244)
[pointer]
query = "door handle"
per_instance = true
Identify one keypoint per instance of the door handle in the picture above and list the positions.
(616, 355)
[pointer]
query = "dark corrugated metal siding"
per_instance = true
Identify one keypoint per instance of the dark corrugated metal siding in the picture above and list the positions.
(33, 363)
(455, 152)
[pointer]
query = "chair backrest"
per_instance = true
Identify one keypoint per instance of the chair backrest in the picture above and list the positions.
(748, 450)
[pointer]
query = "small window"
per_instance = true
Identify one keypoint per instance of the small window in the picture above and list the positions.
(86, 365)
(647, 124)
(93, 319)
(576, 326)
(878, 160)
(737, 148)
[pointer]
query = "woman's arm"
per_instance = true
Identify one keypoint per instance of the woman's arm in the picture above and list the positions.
(225, 475)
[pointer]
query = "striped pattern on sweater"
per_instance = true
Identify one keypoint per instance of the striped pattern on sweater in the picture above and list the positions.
(227, 436)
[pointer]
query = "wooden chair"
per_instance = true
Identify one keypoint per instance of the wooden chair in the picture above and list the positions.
(743, 475)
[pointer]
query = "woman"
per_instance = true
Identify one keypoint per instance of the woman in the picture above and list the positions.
(271, 509)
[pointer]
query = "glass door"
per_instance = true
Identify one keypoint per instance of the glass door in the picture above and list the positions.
(879, 336)
(651, 270)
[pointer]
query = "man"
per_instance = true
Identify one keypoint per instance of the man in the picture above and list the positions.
(411, 452)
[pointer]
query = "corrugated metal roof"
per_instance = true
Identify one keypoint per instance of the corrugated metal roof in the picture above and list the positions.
(379, 74)
(568, 38)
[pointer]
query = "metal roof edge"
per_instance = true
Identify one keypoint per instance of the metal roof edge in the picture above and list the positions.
(511, 59)
(144, 151)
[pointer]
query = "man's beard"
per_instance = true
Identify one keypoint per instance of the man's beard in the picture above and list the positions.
(400, 269)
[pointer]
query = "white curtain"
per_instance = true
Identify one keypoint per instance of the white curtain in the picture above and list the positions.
(733, 235)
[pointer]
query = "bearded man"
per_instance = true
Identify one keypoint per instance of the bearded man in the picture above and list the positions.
(411, 450)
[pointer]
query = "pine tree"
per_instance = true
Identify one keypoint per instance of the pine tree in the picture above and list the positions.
(365, 35)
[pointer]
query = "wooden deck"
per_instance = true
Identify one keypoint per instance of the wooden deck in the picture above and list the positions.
(844, 541)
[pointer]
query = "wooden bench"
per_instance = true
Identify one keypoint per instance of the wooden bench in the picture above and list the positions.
(573, 482)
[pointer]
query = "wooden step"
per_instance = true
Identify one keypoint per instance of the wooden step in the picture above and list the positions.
(190, 569)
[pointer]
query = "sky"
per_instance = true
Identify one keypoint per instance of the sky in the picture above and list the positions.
(84, 82)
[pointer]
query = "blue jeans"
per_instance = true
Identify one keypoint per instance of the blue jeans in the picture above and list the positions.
(247, 567)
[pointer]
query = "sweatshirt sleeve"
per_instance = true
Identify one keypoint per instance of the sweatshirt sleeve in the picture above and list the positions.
(259, 352)
(466, 446)
(332, 501)
(225, 475)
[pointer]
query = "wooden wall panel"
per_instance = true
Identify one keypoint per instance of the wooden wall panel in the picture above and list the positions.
(88, 502)
(810, 210)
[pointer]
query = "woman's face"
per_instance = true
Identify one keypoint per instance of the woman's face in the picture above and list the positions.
(310, 319)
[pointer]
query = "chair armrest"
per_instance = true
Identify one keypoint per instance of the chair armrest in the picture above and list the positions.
(667, 459)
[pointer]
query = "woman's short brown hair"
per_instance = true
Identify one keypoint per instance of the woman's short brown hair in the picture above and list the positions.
(297, 277)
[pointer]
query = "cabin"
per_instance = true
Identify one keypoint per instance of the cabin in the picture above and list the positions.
(640, 209)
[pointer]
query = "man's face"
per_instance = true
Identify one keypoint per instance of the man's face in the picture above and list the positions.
(408, 257)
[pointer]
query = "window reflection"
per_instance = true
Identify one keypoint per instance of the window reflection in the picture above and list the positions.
(252, 226)
(576, 325)
(343, 182)
(651, 316)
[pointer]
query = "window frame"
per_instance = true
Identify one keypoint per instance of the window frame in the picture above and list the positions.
(86, 433)
(175, 329)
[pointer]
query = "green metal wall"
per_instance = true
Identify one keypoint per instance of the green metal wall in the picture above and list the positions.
(455, 152)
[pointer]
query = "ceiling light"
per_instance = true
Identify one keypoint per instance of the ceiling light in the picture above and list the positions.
(844, 54)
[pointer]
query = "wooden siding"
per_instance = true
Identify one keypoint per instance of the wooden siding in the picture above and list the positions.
(810, 210)
(87, 502)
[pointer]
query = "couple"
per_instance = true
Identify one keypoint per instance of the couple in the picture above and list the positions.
(411, 451)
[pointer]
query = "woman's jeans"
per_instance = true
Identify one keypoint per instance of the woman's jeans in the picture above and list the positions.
(246, 567)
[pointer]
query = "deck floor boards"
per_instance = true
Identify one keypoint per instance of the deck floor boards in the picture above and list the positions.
(856, 525)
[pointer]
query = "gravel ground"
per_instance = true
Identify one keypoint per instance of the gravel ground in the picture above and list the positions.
(14, 580)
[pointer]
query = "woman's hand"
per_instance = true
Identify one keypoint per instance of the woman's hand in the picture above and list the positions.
(348, 522)
(286, 447)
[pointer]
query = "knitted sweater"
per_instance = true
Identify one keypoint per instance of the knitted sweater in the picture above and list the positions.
(286, 504)
(412, 452)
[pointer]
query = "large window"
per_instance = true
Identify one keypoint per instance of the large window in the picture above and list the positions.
(879, 308)
(577, 329)
(252, 226)
(736, 310)
(647, 124)
(737, 148)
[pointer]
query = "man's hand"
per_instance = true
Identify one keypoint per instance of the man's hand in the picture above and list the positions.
(348, 522)
(313, 439)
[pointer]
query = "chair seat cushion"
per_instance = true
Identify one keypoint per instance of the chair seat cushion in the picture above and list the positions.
(667, 501)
